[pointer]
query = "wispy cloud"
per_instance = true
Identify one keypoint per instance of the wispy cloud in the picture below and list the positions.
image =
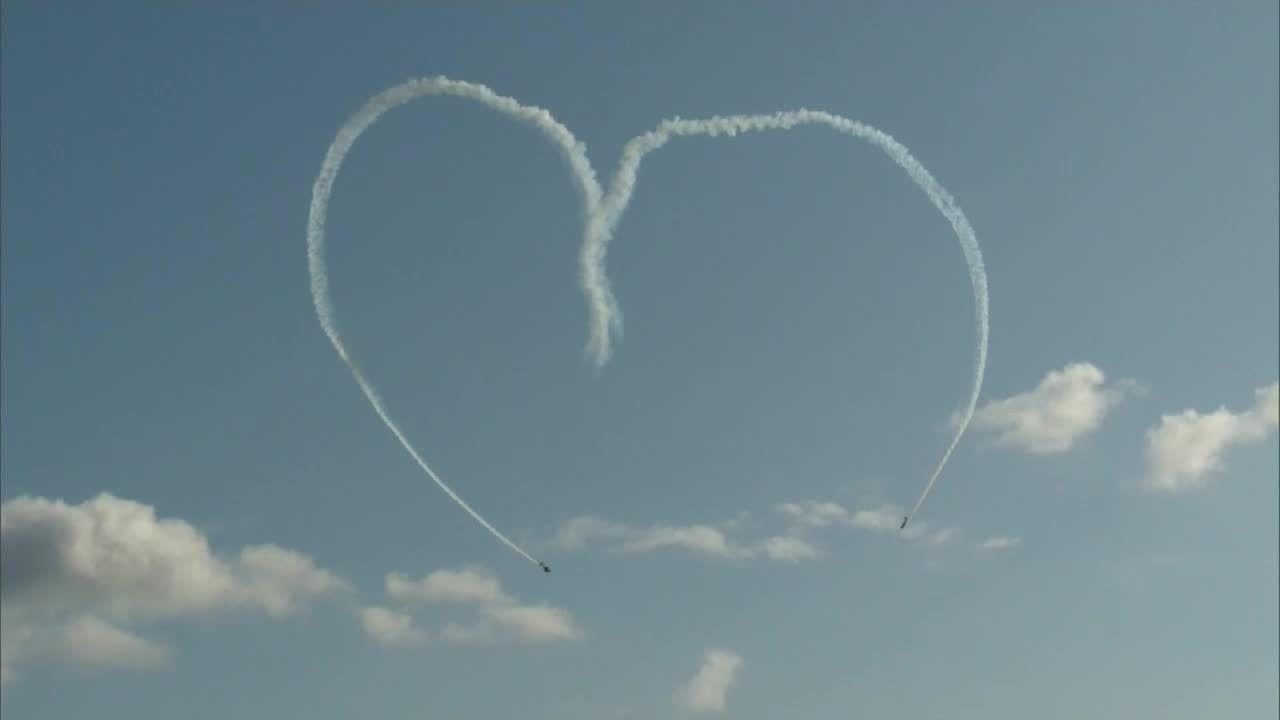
(498, 615)
(814, 513)
(882, 519)
(702, 540)
(788, 549)
(534, 623)
(1067, 405)
(708, 690)
(71, 574)
(1185, 449)
(577, 532)
(999, 542)
(803, 518)
(466, 585)
(699, 539)
(391, 628)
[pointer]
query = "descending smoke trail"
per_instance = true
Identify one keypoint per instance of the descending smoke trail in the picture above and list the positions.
(574, 152)
(600, 227)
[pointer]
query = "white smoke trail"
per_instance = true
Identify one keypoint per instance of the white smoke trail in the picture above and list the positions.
(600, 217)
(600, 228)
(574, 152)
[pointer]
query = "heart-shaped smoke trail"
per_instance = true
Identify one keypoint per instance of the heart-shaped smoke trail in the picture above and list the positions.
(600, 217)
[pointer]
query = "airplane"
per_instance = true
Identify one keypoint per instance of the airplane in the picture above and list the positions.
(544, 567)
(903, 526)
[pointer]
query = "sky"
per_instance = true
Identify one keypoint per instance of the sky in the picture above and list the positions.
(203, 517)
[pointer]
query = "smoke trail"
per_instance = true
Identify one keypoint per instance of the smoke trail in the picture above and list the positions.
(574, 153)
(600, 227)
(601, 214)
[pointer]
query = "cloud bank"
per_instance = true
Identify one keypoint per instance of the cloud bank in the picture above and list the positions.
(1067, 405)
(1184, 450)
(72, 575)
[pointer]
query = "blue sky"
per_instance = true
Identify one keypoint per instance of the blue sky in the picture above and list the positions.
(798, 333)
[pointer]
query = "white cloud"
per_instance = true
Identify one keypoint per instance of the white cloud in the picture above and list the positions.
(90, 641)
(1066, 405)
(814, 513)
(114, 556)
(534, 623)
(390, 628)
(469, 634)
(576, 532)
(705, 540)
(464, 586)
(110, 560)
(886, 519)
(85, 640)
(526, 623)
(109, 554)
(789, 549)
(999, 542)
(708, 690)
(500, 615)
(883, 519)
(281, 581)
(794, 546)
(700, 539)
(1184, 449)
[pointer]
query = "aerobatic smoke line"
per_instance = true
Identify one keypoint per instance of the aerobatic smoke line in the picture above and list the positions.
(601, 214)
(574, 152)
(600, 229)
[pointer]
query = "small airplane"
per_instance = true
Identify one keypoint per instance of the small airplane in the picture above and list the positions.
(903, 526)
(544, 566)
